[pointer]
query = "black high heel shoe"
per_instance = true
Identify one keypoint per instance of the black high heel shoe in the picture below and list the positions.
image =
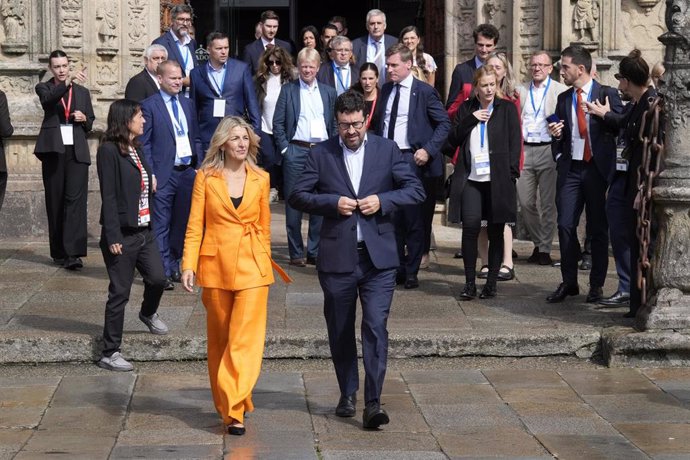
(236, 429)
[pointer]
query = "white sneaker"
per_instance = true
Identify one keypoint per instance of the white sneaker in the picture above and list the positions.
(154, 323)
(273, 196)
(115, 362)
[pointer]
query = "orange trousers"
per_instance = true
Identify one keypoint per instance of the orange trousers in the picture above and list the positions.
(236, 329)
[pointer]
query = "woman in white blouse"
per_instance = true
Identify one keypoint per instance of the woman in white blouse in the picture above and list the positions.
(424, 66)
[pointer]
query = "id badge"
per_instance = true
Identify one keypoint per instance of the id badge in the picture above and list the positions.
(318, 130)
(144, 210)
(481, 163)
(67, 132)
(184, 149)
(219, 108)
(621, 163)
(533, 134)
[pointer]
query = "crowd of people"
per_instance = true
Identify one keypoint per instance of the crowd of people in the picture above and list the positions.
(353, 133)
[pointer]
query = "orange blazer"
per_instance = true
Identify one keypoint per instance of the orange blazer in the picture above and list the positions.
(230, 248)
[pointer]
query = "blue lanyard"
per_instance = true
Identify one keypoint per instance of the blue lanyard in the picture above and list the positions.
(589, 96)
(482, 125)
(336, 69)
(212, 74)
(531, 96)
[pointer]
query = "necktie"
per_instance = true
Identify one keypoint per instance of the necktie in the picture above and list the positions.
(394, 112)
(180, 131)
(380, 60)
(582, 126)
(269, 46)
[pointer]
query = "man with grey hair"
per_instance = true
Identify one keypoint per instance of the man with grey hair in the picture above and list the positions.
(339, 73)
(145, 83)
(373, 46)
(180, 45)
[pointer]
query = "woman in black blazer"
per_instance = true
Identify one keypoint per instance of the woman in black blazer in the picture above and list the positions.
(487, 130)
(127, 241)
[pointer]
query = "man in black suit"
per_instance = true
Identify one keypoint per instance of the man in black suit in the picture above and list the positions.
(339, 73)
(355, 181)
(6, 130)
(179, 43)
(411, 113)
(485, 41)
(65, 158)
(145, 83)
(585, 154)
(373, 46)
(269, 29)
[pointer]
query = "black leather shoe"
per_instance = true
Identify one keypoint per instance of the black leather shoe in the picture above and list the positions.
(545, 258)
(534, 258)
(347, 406)
(73, 263)
(616, 300)
(169, 285)
(562, 291)
(488, 291)
(374, 416)
(506, 275)
(311, 260)
(236, 430)
(586, 263)
(481, 274)
(176, 277)
(469, 292)
(411, 282)
(594, 295)
(457, 255)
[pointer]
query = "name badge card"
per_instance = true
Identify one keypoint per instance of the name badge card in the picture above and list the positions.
(219, 108)
(318, 130)
(621, 163)
(533, 133)
(481, 162)
(144, 210)
(184, 149)
(67, 132)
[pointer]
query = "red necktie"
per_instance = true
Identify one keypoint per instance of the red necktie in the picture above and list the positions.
(582, 126)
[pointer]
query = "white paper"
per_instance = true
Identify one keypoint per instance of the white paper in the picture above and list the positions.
(219, 108)
(184, 149)
(318, 130)
(67, 132)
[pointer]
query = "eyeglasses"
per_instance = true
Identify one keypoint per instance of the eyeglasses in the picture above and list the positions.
(539, 66)
(272, 62)
(184, 20)
(354, 124)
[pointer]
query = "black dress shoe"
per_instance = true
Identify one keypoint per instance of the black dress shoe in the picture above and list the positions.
(346, 406)
(562, 291)
(73, 263)
(481, 274)
(506, 275)
(457, 255)
(411, 282)
(594, 295)
(488, 291)
(169, 285)
(545, 258)
(469, 292)
(616, 300)
(586, 263)
(534, 258)
(176, 277)
(311, 260)
(374, 416)
(236, 430)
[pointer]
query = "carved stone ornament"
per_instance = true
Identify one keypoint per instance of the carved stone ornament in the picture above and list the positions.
(14, 20)
(647, 5)
(108, 16)
(585, 17)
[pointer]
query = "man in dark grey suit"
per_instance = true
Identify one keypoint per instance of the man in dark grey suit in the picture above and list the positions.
(373, 46)
(355, 181)
(339, 72)
(6, 130)
(269, 29)
(145, 83)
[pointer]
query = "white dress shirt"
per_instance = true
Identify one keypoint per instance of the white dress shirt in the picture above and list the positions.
(354, 163)
(577, 145)
(311, 124)
(403, 109)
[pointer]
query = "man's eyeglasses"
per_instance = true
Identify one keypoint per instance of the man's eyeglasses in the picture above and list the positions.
(354, 124)
(539, 66)
(271, 62)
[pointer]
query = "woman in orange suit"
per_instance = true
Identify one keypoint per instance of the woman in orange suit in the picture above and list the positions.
(228, 250)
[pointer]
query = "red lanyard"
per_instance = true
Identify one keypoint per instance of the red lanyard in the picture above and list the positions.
(139, 165)
(68, 106)
(371, 112)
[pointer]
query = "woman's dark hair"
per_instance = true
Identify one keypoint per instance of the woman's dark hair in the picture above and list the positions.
(56, 54)
(419, 52)
(635, 69)
(120, 115)
(314, 31)
(286, 65)
(366, 66)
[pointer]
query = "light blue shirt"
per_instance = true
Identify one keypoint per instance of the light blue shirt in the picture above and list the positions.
(217, 77)
(178, 124)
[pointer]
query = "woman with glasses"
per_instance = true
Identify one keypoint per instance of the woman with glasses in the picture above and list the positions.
(368, 85)
(423, 65)
(275, 69)
(487, 130)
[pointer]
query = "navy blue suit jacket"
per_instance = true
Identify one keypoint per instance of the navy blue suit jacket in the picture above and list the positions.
(359, 47)
(463, 73)
(427, 123)
(158, 141)
(174, 51)
(238, 92)
(287, 112)
(254, 50)
(325, 179)
(602, 137)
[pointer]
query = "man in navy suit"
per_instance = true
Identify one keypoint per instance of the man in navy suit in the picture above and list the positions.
(355, 181)
(145, 83)
(411, 113)
(269, 29)
(222, 87)
(485, 41)
(302, 118)
(585, 154)
(373, 46)
(180, 45)
(339, 73)
(171, 147)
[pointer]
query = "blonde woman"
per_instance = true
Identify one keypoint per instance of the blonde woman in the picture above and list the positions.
(228, 253)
